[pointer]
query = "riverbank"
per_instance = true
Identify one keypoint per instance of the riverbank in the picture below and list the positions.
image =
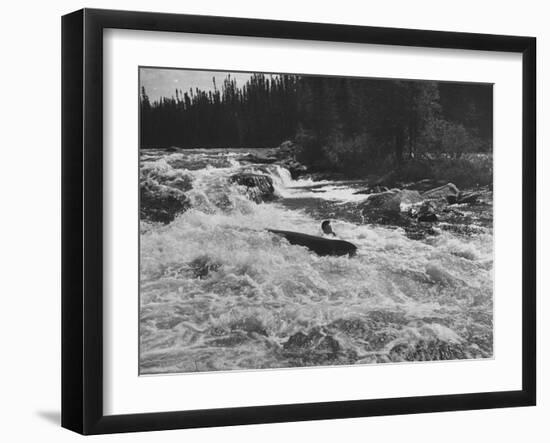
(468, 170)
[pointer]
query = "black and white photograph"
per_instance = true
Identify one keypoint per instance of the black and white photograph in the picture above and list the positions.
(259, 222)
(291, 220)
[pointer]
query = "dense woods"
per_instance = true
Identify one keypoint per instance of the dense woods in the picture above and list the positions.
(342, 124)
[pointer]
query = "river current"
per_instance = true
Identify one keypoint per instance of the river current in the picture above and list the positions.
(220, 292)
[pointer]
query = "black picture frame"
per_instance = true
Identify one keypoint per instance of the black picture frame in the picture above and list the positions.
(82, 218)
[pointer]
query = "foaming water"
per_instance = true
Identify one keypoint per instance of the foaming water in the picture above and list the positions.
(339, 191)
(220, 292)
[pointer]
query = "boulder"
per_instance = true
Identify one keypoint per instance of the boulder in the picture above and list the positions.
(448, 193)
(161, 203)
(284, 155)
(394, 201)
(426, 212)
(295, 168)
(468, 197)
(259, 187)
(427, 218)
(390, 206)
(379, 202)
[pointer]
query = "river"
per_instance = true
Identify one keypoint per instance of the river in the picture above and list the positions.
(220, 292)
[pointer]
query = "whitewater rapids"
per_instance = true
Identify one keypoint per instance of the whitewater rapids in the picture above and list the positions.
(219, 292)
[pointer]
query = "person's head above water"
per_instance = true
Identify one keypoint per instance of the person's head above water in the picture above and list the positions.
(326, 228)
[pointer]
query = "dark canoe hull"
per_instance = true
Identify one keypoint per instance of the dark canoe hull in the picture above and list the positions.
(319, 245)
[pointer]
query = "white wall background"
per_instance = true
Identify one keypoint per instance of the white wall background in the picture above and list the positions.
(30, 219)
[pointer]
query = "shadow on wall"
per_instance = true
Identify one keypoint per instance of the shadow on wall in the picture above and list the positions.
(54, 417)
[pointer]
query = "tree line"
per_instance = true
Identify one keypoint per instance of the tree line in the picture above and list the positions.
(340, 122)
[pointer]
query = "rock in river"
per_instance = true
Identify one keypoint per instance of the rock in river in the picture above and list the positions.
(385, 206)
(427, 212)
(468, 197)
(448, 193)
(259, 187)
(160, 203)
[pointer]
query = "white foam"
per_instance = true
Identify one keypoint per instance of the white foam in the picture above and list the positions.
(257, 280)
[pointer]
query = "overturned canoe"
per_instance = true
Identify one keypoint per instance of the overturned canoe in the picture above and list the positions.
(319, 245)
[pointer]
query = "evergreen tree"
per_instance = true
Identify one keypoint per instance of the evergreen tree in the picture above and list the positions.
(347, 122)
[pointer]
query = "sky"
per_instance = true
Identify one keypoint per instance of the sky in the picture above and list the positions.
(161, 82)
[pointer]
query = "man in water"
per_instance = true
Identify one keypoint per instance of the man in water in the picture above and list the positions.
(327, 229)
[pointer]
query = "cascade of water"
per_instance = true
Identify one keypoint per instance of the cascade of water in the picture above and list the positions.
(220, 292)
